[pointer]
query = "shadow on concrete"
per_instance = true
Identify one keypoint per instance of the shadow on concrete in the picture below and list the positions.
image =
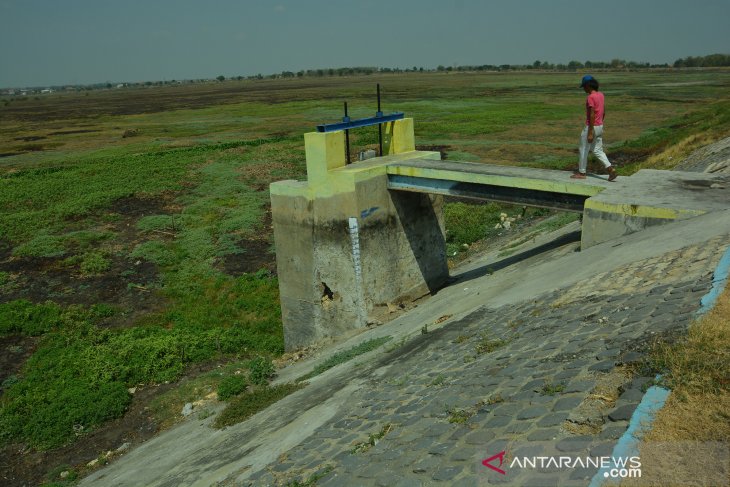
(424, 232)
(514, 259)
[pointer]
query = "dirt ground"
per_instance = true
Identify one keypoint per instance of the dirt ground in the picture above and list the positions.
(128, 285)
(257, 255)
(154, 99)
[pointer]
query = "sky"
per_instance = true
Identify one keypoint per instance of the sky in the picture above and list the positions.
(58, 42)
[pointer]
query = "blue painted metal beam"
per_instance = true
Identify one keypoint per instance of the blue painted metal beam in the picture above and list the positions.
(347, 123)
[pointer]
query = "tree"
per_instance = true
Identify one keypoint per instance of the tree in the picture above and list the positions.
(575, 65)
(221, 78)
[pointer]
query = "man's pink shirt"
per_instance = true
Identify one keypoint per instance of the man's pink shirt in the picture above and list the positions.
(595, 101)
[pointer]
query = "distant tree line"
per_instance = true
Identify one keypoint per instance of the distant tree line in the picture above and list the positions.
(713, 60)
(710, 61)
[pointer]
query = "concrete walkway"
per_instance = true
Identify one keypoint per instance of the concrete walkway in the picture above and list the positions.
(528, 354)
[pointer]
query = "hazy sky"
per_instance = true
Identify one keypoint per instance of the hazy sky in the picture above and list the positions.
(52, 42)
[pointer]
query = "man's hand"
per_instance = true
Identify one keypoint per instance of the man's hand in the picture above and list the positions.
(591, 135)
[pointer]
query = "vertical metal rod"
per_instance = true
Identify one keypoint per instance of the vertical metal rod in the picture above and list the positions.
(347, 137)
(380, 125)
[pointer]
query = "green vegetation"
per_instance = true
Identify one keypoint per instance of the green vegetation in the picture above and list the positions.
(55, 480)
(467, 223)
(79, 376)
(94, 263)
(246, 405)
(41, 200)
(166, 407)
(346, 356)
(25, 318)
(260, 371)
(231, 386)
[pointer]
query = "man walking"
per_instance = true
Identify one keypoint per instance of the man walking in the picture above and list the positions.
(591, 139)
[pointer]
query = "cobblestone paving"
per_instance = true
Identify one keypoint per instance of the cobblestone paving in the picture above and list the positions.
(550, 374)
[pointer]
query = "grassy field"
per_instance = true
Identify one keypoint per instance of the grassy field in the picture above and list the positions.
(135, 232)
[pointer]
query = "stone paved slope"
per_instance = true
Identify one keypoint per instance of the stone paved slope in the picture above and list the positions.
(447, 402)
(536, 356)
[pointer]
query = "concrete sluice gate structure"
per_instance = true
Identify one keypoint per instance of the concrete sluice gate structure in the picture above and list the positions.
(356, 236)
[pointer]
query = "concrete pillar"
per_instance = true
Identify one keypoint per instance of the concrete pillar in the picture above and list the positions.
(345, 244)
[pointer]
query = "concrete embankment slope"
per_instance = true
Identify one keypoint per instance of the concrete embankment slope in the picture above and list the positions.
(527, 356)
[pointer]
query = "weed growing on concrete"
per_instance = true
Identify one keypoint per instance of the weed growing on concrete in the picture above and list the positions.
(550, 389)
(311, 481)
(460, 416)
(246, 405)
(515, 323)
(461, 339)
(438, 381)
(395, 346)
(346, 356)
(372, 440)
(495, 399)
(487, 345)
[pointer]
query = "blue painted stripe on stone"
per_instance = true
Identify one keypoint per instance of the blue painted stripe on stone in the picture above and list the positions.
(628, 444)
(719, 280)
(655, 397)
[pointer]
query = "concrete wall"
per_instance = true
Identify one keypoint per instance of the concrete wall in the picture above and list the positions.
(648, 198)
(345, 244)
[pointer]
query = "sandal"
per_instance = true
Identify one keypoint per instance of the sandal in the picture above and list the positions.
(578, 175)
(612, 173)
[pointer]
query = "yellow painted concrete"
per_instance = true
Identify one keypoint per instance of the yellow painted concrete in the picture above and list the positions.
(643, 211)
(325, 152)
(344, 179)
(329, 174)
(291, 188)
(564, 185)
(398, 137)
